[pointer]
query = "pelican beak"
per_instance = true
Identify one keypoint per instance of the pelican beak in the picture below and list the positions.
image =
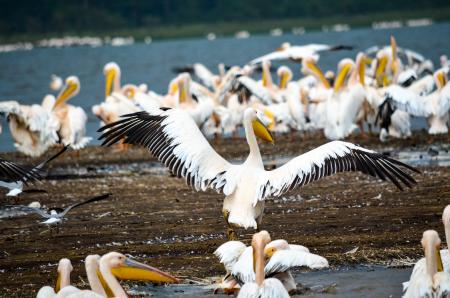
(109, 292)
(183, 92)
(133, 270)
(173, 88)
(341, 77)
(393, 48)
(269, 119)
(110, 75)
(260, 127)
(58, 283)
(312, 66)
(440, 266)
(283, 81)
(381, 67)
(362, 71)
(67, 92)
(441, 78)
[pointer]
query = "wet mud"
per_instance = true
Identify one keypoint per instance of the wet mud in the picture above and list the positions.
(157, 219)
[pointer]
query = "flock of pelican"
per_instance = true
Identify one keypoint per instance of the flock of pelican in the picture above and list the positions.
(385, 85)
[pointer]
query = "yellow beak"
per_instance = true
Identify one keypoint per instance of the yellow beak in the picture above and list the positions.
(362, 71)
(441, 78)
(283, 81)
(109, 81)
(65, 94)
(393, 48)
(440, 266)
(58, 283)
(316, 70)
(183, 92)
(133, 270)
(262, 131)
(381, 67)
(341, 77)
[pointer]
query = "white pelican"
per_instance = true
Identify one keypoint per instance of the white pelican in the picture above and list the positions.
(281, 256)
(13, 176)
(62, 281)
(434, 106)
(259, 286)
(113, 265)
(72, 119)
(297, 53)
(432, 282)
(33, 128)
(421, 265)
(173, 137)
(55, 215)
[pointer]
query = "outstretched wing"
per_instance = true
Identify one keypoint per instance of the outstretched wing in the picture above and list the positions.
(12, 172)
(284, 260)
(173, 137)
(254, 88)
(408, 101)
(94, 199)
(331, 158)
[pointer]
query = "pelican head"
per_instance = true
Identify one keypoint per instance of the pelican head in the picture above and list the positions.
(274, 246)
(345, 66)
(125, 268)
(70, 89)
(431, 246)
(64, 270)
(285, 75)
(129, 90)
(111, 71)
(440, 78)
(260, 123)
(284, 46)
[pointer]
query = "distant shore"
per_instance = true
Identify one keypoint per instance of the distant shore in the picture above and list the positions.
(275, 27)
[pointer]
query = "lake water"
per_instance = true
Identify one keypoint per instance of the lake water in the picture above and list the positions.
(24, 75)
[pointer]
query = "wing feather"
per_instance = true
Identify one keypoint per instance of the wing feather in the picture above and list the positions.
(329, 159)
(174, 138)
(284, 260)
(408, 101)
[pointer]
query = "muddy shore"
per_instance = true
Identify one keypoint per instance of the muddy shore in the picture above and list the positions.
(158, 219)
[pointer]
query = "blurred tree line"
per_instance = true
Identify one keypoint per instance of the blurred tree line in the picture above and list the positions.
(58, 16)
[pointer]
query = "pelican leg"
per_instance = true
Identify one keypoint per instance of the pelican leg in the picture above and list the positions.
(231, 233)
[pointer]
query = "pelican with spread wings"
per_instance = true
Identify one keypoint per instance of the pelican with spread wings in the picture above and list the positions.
(173, 137)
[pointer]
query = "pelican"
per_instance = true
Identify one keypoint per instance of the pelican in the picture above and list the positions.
(297, 53)
(33, 128)
(112, 265)
(56, 215)
(62, 281)
(261, 287)
(72, 119)
(432, 282)
(421, 266)
(173, 137)
(281, 256)
(434, 106)
(14, 176)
